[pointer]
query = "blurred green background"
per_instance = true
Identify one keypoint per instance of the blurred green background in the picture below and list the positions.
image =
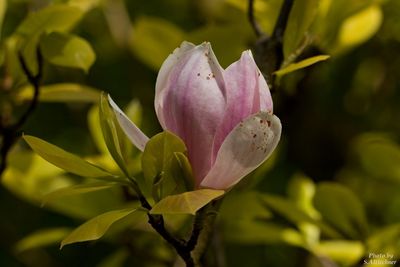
(329, 196)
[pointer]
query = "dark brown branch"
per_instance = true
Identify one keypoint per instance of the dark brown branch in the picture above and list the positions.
(252, 19)
(268, 51)
(281, 23)
(34, 80)
(10, 133)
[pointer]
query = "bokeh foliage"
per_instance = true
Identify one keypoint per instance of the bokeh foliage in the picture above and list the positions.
(330, 194)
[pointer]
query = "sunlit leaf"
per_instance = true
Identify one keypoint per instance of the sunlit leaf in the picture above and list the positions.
(301, 16)
(30, 177)
(153, 39)
(67, 50)
(301, 191)
(64, 159)
(259, 232)
(57, 17)
(301, 64)
(84, 5)
(379, 156)
(345, 252)
(186, 203)
(361, 26)
(95, 129)
(42, 238)
(96, 227)
(112, 134)
(3, 8)
(288, 210)
(385, 240)
(341, 208)
(160, 165)
(331, 16)
(61, 92)
(76, 189)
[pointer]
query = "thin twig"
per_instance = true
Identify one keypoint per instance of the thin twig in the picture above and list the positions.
(252, 19)
(281, 23)
(268, 51)
(10, 133)
(34, 80)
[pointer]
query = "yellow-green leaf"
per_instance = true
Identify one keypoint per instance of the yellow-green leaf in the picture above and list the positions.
(186, 203)
(41, 238)
(96, 227)
(67, 50)
(161, 167)
(3, 8)
(301, 17)
(345, 252)
(341, 208)
(76, 189)
(52, 18)
(64, 159)
(112, 134)
(153, 39)
(361, 26)
(61, 92)
(300, 65)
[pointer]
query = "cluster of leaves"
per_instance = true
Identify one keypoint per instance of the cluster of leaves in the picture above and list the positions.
(327, 219)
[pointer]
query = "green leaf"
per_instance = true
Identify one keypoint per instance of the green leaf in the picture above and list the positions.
(64, 159)
(57, 17)
(301, 17)
(61, 92)
(301, 190)
(3, 8)
(84, 5)
(76, 189)
(153, 39)
(96, 227)
(378, 156)
(67, 51)
(300, 65)
(161, 165)
(295, 215)
(385, 240)
(341, 208)
(30, 177)
(345, 252)
(112, 133)
(42, 238)
(186, 203)
(93, 119)
(360, 27)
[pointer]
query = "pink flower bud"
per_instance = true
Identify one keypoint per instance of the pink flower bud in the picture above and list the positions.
(223, 116)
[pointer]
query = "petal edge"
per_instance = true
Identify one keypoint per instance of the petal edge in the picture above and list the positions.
(135, 135)
(245, 148)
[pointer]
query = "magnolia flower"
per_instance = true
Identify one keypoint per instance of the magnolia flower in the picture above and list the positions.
(223, 116)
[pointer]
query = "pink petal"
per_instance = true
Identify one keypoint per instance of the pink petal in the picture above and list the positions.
(135, 135)
(190, 101)
(249, 144)
(163, 77)
(247, 93)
